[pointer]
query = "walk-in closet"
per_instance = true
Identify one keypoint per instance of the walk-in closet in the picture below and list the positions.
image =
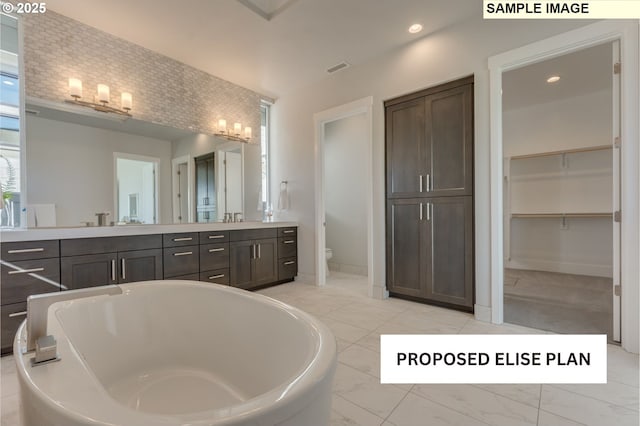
(561, 193)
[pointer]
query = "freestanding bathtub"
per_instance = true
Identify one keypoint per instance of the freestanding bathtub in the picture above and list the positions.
(179, 353)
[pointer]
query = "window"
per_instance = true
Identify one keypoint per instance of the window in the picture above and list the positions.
(264, 145)
(10, 204)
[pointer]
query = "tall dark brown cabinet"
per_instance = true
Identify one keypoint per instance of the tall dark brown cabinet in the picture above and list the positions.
(429, 195)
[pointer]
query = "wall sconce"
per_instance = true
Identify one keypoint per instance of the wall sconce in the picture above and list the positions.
(103, 98)
(237, 135)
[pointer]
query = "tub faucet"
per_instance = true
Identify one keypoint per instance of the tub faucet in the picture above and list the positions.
(38, 314)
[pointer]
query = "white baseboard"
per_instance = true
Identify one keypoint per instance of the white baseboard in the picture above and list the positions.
(561, 267)
(378, 292)
(482, 313)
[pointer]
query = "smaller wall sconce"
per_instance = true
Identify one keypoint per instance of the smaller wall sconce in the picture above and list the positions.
(237, 134)
(103, 98)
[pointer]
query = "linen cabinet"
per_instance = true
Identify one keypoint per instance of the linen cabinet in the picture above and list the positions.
(429, 195)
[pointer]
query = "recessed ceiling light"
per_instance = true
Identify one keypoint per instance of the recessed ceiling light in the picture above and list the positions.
(7, 82)
(553, 79)
(415, 28)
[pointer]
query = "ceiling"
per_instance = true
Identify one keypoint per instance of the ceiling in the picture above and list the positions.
(585, 71)
(269, 46)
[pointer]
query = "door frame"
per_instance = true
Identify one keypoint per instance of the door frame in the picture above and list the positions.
(156, 181)
(320, 119)
(185, 159)
(626, 32)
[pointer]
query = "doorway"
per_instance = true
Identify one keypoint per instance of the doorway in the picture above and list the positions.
(357, 118)
(136, 189)
(561, 189)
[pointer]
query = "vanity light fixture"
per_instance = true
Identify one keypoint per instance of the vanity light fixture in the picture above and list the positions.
(103, 98)
(237, 134)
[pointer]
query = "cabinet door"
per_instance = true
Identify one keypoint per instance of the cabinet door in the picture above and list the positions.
(406, 250)
(241, 255)
(406, 156)
(11, 316)
(89, 271)
(449, 142)
(140, 265)
(265, 262)
(450, 237)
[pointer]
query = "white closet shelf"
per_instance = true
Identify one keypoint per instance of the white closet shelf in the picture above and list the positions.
(560, 215)
(566, 151)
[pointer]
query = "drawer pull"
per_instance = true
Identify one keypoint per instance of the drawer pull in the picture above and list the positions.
(289, 241)
(216, 249)
(18, 314)
(291, 262)
(26, 271)
(288, 231)
(213, 237)
(184, 253)
(183, 239)
(32, 250)
(215, 277)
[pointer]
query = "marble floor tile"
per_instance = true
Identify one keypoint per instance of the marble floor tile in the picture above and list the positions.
(414, 410)
(366, 391)
(623, 367)
(345, 331)
(612, 392)
(585, 410)
(371, 341)
(548, 419)
(527, 394)
(480, 404)
(10, 410)
(361, 359)
(345, 413)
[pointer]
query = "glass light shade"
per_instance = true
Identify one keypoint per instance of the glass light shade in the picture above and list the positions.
(127, 101)
(75, 88)
(247, 132)
(103, 93)
(222, 126)
(237, 128)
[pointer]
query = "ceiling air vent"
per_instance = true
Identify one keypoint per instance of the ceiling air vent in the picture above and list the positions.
(337, 67)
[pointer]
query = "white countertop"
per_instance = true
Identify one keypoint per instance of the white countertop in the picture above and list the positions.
(33, 234)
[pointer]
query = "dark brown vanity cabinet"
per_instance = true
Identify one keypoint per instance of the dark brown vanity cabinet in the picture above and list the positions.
(181, 254)
(429, 192)
(92, 262)
(253, 257)
(214, 257)
(287, 253)
(29, 267)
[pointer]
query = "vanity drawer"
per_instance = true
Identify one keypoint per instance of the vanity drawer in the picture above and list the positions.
(84, 246)
(214, 256)
(181, 261)
(219, 276)
(253, 234)
(287, 247)
(289, 231)
(11, 316)
(18, 284)
(180, 240)
(210, 237)
(287, 268)
(26, 250)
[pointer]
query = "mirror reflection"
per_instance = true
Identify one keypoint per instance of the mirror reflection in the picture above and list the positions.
(82, 164)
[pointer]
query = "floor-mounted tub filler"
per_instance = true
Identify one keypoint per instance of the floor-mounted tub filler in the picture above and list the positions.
(176, 353)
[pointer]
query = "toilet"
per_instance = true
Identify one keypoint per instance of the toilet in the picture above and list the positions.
(328, 254)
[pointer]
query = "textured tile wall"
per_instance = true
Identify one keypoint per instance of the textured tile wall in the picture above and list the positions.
(164, 90)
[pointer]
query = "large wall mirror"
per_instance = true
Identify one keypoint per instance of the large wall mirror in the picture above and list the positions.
(80, 163)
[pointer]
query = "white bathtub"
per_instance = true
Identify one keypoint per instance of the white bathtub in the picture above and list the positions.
(179, 353)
